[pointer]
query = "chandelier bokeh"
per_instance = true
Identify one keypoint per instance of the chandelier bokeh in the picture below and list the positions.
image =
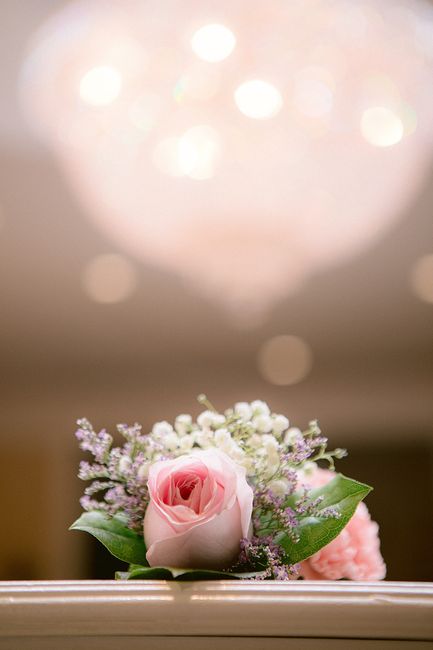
(241, 145)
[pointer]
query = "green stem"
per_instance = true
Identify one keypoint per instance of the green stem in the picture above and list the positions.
(202, 399)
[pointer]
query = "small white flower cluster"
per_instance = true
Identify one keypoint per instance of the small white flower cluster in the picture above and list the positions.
(249, 433)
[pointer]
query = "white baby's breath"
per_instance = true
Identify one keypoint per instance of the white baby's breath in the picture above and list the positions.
(279, 487)
(186, 442)
(210, 419)
(263, 423)
(161, 429)
(182, 424)
(249, 465)
(143, 471)
(243, 410)
(309, 468)
(270, 444)
(218, 420)
(260, 408)
(248, 433)
(171, 441)
(236, 452)
(255, 441)
(223, 439)
(124, 464)
(272, 464)
(292, 435)
(279, 424)
(202, 438)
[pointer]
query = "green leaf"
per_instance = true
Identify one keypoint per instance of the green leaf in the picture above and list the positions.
(202, 574)
(342, 493)
(145, 573)
(121, 541)
(172, 573)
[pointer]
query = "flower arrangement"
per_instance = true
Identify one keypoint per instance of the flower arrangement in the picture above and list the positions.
(232, 495)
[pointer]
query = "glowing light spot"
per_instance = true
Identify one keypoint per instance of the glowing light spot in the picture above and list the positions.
(198, 151)
(422, 278)
(213, 43)
(381, 127)
(409, 119)
(109, 279)
(258, 99)
(285, 360)
(194, 154)
(100, 86)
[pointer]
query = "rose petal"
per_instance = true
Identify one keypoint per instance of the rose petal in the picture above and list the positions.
(211, 545)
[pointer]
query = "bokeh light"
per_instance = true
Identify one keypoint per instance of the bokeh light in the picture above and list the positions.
(285, 360)
(409, 119)
(195, 153)
(213, 43)
(422, 278)
(100, 86)
(258, 99)
(109, 279)
(198, 151)
(381, 127)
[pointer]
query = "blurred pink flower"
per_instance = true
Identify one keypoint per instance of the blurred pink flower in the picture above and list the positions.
(354, 554)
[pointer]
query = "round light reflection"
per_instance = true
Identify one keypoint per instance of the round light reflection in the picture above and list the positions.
(422, 278)
(100, 85)
(285, 360)
(109, 279)
(381, 127)
(198, 151)
(193, 154)
(258, 99)
(213, 43)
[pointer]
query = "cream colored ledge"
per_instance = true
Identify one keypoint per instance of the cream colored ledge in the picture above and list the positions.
(94, 614)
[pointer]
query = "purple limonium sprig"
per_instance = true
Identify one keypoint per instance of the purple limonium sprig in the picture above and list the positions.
(275, 514)
(272, 515)
(308, 507)
(89, 471)
(98, 444)
(118, 474)
(262, 553)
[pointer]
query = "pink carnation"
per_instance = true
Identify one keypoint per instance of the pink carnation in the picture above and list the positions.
(354, 553)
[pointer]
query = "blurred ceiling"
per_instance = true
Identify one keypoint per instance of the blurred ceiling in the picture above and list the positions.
(371, 337)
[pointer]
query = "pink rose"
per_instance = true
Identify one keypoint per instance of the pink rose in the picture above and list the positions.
(200, 508)
(354, 553)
